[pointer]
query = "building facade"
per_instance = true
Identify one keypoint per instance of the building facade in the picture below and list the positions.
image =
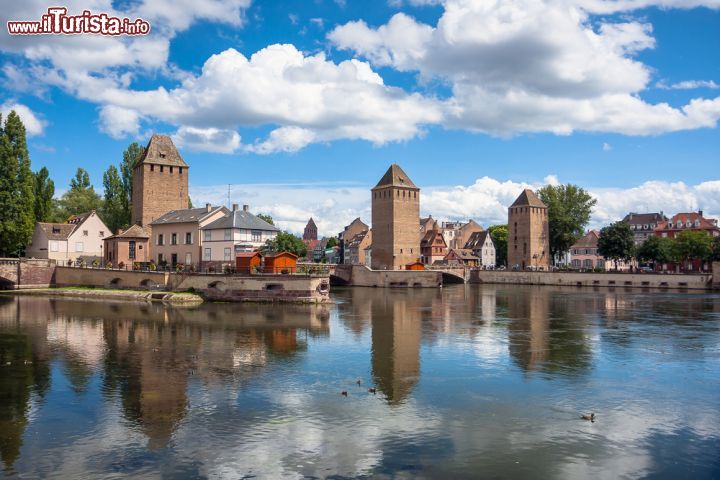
(357, 247)
(310, 232)
(160, 181)
(344, 237)
(482, 246)
(237, 231)
(643, 225)
(584, 255)
(128, 246)
(395, 218)
(457, 234)
(528, 233)
(176, 236)
(81, 238)
(682, 222)
(432, 247)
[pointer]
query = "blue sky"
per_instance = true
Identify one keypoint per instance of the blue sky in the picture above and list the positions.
(475, 99)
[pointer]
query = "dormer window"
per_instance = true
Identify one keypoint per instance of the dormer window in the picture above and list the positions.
(56, 230)
(162, 155)
(697, 223)
(688, 224)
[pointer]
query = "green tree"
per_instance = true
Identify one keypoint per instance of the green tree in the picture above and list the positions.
(332, 242)
(44, 192)
(285, 242)
(131, 156)
(113, 210)
(190, 205)
(693, 245)
(616, 242)
(499, 236)
(265, 217)
(81, 197)
(17, 188)
(656, 250)
(569, 209)
(715, 256)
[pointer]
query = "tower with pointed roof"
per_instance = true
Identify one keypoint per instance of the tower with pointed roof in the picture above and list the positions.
(395, 221)
(528, 233)
(310, 232)
(160, 181)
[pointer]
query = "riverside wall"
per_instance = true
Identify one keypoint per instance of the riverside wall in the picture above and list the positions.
(636, 280)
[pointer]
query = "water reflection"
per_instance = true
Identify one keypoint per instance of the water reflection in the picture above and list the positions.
(468, 379)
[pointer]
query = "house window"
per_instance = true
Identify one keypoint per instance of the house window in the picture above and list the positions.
(161, 239)
(79, 247)
(173, 239)
(256, 236)
(85, 233)
(53, 245)
(188, 258)
(180, 170)
(101, 233)
(131, 249)
(208, 254)
(226, 254)
(206, 235)
(161, 168)
(160, 257)
(188, 238)
(152, 168)
(228, 234)
(171, 169)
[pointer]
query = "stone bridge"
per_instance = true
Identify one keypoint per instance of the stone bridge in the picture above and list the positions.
(451, 274)
(16, 273)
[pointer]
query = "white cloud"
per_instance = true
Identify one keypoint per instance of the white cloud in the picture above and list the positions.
(606, 147)
(207, 139)
(530, 66)
(486, 200)
(34, 125)
(119, 122)
(688, 85)
(284, 139)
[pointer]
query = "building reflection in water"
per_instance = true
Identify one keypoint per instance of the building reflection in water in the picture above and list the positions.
(148, 354)
(545, 334)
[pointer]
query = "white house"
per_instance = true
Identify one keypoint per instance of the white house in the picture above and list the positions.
(483, 247)
(80, 238)
(237, 231)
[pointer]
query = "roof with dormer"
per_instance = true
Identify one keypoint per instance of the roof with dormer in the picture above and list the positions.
(161, 150)
(395, 177)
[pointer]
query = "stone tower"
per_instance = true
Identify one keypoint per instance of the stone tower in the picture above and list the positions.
(395, 221)
(160, 181)
(310, 232)
(528, 232)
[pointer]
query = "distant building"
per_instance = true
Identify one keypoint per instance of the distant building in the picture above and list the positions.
(355, 227)
(160, 181)
(584, 254)
(80, 238)
(643, 224)
(236, 231)
(128, 246)
(688, 221)
(482, 246)
(462, 257)
(432, 247)
(426, 224)
(456, 234)
(368, 256)
(310, 232)
(357, 246)
(395, 217)
(176, 235)
(528, 233)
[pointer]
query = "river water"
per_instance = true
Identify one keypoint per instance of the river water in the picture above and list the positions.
(471, 382)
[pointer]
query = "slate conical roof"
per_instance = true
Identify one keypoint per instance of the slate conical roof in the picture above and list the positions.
(528, 199)
(161, 150)
(395, 177)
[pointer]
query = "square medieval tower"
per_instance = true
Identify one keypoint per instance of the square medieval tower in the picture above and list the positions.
(160, 181)
(395, 221)
(528, 232)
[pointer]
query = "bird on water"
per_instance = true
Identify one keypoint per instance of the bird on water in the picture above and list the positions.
(590, 417)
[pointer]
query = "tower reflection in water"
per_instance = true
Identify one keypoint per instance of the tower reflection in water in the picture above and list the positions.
(145, 355)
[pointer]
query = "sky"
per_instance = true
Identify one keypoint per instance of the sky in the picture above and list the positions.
(297, 108)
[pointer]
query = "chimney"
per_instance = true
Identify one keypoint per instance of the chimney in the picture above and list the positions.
(208, 207)
(235, 207)
(246, 208)
(700, 212)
